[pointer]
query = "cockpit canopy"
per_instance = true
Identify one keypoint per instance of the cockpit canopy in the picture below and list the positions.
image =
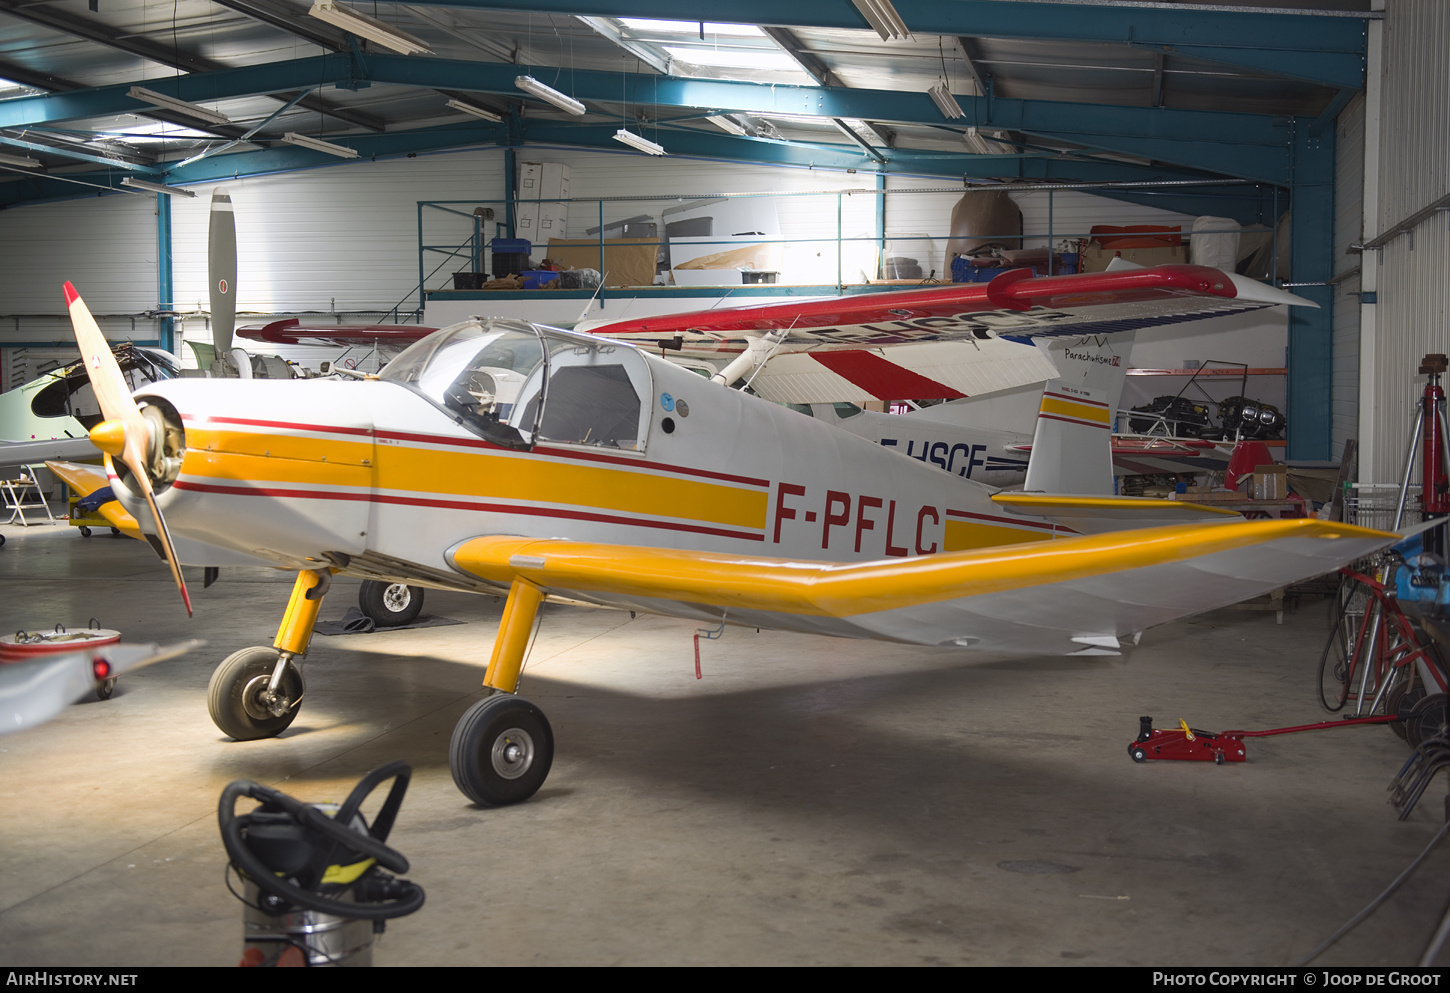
(517, 384)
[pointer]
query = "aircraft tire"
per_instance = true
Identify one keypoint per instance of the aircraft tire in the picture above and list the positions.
(231, 696)
(501, 751)
(390, 605)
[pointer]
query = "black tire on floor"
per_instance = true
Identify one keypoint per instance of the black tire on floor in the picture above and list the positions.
(1137, 754)
(1400, 701)
(390, 605)
(501, 751)
(1430, 718)
(232, 696)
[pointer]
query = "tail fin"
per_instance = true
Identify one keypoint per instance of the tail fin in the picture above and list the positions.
(1072, 446)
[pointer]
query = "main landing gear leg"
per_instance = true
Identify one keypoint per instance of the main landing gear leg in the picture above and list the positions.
(257, 692)
(503, 747)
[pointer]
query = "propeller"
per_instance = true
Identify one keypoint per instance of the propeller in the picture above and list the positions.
(221, 264)
(126, 433)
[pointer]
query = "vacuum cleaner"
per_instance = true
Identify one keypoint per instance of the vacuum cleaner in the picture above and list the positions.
(313, 875)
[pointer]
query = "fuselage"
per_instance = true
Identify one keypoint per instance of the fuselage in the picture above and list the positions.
(384, 477)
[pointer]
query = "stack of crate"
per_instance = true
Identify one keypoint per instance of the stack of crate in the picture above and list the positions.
(538, 222)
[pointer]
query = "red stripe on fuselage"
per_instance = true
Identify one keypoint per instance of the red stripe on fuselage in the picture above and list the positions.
(575, 515)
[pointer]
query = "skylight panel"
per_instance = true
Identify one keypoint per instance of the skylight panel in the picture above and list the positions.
(151, 131)
(647, 26)
(734, 58)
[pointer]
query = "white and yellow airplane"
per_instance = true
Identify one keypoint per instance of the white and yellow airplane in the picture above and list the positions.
(502, 457)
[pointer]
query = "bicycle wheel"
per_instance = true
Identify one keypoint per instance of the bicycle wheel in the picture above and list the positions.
(1336, 662)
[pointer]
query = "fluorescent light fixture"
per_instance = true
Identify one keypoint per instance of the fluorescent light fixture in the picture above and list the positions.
(469, 108)
(726, 124)
(318, 145)
(367, 27)
(883, 17)
(19, 161)
(563, 101)
(635, 141)
(165, 102)
(141, 184)
(945, 102)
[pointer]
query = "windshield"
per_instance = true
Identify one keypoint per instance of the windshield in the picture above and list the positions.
(476, 371)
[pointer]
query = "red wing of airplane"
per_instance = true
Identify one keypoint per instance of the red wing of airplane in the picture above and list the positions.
(949, 342)
(294, 332)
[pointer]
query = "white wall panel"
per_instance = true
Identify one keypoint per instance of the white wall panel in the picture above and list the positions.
(339, 238)
(1413, 294)
(105, 245)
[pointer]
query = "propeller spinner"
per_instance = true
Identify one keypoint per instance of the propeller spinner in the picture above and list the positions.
(126, 433)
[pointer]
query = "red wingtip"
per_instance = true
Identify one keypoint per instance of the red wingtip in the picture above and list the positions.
(71, 296)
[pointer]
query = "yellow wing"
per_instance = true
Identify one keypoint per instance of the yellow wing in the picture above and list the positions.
(1075, 596)
(85, 480)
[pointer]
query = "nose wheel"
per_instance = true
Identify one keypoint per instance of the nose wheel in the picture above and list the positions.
(501, 750)
(242, 700)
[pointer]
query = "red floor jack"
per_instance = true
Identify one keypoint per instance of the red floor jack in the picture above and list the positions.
(1191, 744)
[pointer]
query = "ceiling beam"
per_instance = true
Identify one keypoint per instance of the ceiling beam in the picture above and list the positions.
(325, 36)
(103, 34)
(683, 143)
(808, 61)
(973, 54)
(1266, 40)
(1249, 146)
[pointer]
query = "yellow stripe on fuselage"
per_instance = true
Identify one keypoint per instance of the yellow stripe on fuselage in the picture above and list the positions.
(543, 480)
(301, 460)
(962, 536)
(1073, 408)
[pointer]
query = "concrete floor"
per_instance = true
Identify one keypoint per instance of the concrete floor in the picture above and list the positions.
(810, 801)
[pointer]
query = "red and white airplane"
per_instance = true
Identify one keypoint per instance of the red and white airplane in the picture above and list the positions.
(965, 343)
(506, 458)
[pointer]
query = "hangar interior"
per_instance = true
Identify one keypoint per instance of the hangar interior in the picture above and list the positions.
(731, 794)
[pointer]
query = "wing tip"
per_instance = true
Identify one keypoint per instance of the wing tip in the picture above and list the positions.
(71, 296)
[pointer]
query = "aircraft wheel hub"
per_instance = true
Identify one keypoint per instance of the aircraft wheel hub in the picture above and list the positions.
(261, 703)
(513, 753)
(397, 597)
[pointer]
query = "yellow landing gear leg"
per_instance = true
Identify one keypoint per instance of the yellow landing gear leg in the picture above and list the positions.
(257, 692)
(503, 746)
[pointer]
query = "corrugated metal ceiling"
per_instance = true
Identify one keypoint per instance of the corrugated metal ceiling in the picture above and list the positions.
(62, 46)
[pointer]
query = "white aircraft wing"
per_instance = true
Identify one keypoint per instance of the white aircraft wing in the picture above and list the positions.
(34, 691)
(943, 342)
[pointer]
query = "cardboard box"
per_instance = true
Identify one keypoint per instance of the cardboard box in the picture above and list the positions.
(554, 182)
(531, 177)
(553, 220)
(1096, 259)
(1271, 482)
(526, 222)
(627, 261)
